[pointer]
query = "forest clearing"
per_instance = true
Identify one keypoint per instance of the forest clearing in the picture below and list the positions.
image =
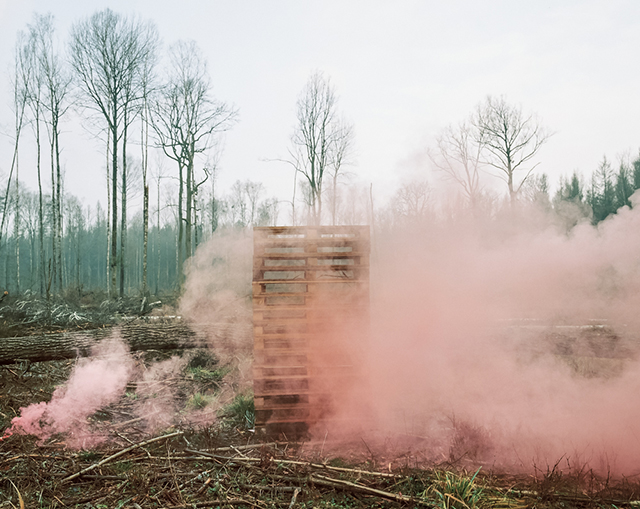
(160, 447)
(304, 257)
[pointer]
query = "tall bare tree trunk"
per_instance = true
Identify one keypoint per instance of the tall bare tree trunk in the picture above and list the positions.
(114, 205)
(335, 199)
(53, 267)
(157, 243)
(16, 226)
(179, 248)
(42, 271)
(56, 140)
(123, 214)
(214, 204)
(145, 199)
(145, 237)
(78, 247)
(108, 281)
(189, 210)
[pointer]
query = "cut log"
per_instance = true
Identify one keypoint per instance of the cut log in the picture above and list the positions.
(68, 345)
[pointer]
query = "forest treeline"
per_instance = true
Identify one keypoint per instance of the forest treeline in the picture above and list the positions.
(110, 74)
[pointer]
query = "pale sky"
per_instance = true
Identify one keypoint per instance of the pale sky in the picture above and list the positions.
(403, 70)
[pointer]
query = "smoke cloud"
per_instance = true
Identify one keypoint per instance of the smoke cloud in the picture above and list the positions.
(505, 341)
(217, 302)
(95, 382)
(502, 340)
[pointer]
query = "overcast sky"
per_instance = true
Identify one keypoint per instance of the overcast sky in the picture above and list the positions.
(403, 70)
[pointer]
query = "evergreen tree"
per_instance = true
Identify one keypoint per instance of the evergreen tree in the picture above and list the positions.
(602, 195)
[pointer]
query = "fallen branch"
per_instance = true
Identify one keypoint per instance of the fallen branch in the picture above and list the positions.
(120, 453)
(223, 458)
(104, 477)
(329, 481)
(308, 464)
(247, 447)
(211, 503)
(295, 496)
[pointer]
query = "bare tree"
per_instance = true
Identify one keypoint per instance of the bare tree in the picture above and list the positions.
(411, 202)
(253, 191)
(35, 94)
(320, 141)
(268, 212)
(17, 226)
(197, 206)
(212, 208)
(21, 77)
(510, 140)
(237, 205)
(342, 149)
(457, 155)
(56, 82)
(144, 138)
(185, 120)
(109, 54)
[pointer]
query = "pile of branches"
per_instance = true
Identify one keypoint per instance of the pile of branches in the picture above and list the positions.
(171, 472)
(181, 470)
(30, 313)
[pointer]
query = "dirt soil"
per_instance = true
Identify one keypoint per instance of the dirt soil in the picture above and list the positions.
(221, 461)
(224, 464)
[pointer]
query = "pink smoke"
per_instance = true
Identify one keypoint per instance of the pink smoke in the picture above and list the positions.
(462, 316)
(95, 382)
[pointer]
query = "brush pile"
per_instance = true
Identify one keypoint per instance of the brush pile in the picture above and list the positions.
(29, 313)
(188, 468)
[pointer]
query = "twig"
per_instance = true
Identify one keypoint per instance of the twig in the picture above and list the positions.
(203, 487)
(262, 487)
(104, 477)
(19, 495)
(246, 447)
(131, 421)
(224, 458)
(238, 451)
(329, 481)
(211, 503)
(118, 454)
(365, 444)
(319, 466)
(293, 499)
(173, 474)
(21, 456)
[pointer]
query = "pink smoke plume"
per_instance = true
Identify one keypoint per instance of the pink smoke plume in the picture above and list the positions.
(95, 382)
(472, 353)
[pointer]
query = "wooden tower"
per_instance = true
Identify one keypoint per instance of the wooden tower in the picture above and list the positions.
(310, 314)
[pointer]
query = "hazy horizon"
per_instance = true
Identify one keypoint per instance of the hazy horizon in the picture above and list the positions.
(402, 71)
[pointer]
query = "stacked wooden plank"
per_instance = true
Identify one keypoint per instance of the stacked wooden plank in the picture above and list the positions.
(310, 310)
